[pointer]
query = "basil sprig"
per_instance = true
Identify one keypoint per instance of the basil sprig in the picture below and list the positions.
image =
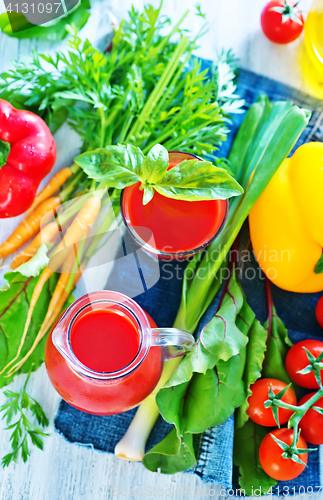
(191, 180)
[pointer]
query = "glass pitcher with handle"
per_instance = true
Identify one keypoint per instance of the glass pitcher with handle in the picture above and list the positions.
(105, 354)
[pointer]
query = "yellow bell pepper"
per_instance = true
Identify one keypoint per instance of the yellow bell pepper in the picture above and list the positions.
(286, 223)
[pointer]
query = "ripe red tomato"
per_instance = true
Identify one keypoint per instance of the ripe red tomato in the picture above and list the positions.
(264, 416)
(296, 360)
(271, 460)
(311, 424)
(319, 312)
(282, 21)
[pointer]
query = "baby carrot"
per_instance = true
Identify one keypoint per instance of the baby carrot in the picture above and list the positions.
(53, 185)
(82, 223)
(28, 227)
(46, 235)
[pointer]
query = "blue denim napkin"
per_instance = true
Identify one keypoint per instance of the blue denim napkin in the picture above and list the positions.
(162, 301)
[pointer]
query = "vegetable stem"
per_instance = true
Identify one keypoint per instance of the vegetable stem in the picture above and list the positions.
(159, 89)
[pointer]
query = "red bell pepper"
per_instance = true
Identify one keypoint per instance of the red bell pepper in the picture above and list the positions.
(31, 156)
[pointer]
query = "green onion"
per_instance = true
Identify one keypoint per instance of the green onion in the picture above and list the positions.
(265, 138)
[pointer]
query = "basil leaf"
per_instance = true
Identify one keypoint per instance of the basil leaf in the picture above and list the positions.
(318, 267)
(53, 33)
(116, 166)
(247, 440)
(194, 180)
(154, 165)
(4, 151)
(148, 195)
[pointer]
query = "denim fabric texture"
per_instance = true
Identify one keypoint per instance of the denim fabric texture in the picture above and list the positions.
(162, 301)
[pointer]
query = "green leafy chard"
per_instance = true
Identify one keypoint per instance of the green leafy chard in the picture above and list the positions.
(266, 351)
(256, 349)
(23, 430)
(14, 304)
(207, 386)
(191, 180)
(278, 346)
(247, 440)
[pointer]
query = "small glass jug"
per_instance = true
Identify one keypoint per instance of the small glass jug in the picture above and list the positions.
(77, 344)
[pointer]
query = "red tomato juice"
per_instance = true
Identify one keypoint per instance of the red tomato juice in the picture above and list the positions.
(104, 341)
(177, 226)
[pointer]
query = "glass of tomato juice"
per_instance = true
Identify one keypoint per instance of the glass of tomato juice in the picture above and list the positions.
(169, 228)
(105, 355)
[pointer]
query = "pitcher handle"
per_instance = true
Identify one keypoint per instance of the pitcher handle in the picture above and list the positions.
(175, 342)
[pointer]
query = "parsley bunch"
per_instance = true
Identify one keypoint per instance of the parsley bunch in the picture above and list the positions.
(23, 430)
(147, 89)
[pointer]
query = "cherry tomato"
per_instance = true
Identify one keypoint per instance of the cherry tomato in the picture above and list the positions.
(282, 21)
(319, 312)
(297, 359)
(271, 460)
(264, 416)
(311, 424)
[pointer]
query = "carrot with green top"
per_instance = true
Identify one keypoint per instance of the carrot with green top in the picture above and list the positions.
(54, 184)
(28, 227)
(47, 235)
(80, 225)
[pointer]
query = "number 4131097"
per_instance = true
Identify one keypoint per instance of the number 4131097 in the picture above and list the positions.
(31, 8)
(287, 491)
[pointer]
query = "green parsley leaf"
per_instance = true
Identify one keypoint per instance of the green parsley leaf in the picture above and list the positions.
(23, 405)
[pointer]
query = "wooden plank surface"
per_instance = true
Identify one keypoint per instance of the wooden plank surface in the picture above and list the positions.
(67, 471)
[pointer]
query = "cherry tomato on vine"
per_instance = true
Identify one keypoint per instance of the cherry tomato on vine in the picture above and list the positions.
(271, 460)
(319, 312)
(257, 411)
(282, 21)
(311, 424)
(297, 359)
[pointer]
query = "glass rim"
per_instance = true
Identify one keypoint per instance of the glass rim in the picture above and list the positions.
(172, 255)
(126, 303)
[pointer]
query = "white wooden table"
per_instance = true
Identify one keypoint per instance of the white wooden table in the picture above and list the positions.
(67, 471)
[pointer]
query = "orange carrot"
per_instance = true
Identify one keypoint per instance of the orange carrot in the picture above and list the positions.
(48, 234)
(28, 227)
(53, 185)
(61, 284)
(82, 223)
